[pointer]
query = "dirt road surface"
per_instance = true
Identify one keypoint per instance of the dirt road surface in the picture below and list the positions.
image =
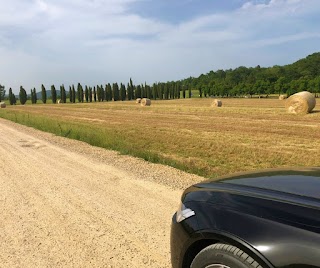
(65, 203)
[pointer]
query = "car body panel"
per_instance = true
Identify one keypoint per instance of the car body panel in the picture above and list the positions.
(279, 226)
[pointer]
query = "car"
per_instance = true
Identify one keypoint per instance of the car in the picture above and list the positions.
(268, 218)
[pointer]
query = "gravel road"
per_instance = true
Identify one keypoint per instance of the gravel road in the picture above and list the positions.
(65, 203)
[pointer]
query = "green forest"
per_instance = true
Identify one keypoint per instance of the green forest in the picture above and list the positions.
(289, 79)
(242, 81)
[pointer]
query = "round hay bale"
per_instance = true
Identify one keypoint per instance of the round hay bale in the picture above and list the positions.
(300, 103)
(3, 105)
(282, 97)
(145, 102)
(138, 100)
(216, 103)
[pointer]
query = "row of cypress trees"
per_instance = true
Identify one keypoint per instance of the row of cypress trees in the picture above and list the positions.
(114, 92)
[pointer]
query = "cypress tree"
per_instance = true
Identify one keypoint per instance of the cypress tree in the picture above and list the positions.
(43, 94)
(98, 93)
(53, 94)
(94, 94)
(2, 92)
(130, 90)
(63, 96)
(166, 91)
(106, 93)
(154, 91)
(178, 89)
(138, 92)
(134, 92)
(73, 94)
(189, 90)
(70, 94)
(103, 93)
(115, 90)
(110, 91)
(86, 93)
(171, 91)
(22, 95)
(80, 93)
(149, 93)
(10, 96)
(31, 96)
(122, 92)
(161, 87)
(90, 94)
(14, 100)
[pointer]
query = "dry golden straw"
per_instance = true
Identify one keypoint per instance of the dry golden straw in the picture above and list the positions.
(300, 103)
(216, 103)
(145, 102)
(282, 97)
(138, 100)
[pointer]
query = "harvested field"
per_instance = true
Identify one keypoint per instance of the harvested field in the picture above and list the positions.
(246, 134)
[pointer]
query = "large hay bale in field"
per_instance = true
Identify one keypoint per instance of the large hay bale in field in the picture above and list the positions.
(3, 105)
(138, 100)
(300, 103)
(282, 97)
(216, 103)
(145, 102)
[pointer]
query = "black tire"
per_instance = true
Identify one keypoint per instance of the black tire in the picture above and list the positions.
(223, 256)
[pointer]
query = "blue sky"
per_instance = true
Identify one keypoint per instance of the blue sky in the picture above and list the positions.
(100, 41)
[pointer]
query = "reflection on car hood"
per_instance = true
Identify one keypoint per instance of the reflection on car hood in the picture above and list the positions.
(301, 182)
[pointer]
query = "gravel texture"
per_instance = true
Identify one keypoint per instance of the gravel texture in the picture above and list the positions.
(65, 203)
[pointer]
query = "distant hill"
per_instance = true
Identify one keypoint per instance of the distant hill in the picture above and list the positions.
(303, 74)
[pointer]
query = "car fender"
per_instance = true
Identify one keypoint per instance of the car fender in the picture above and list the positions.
(276, 244)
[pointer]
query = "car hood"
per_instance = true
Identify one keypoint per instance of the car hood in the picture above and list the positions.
(303, 182)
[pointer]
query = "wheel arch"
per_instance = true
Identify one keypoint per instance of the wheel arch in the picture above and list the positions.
(210, 237)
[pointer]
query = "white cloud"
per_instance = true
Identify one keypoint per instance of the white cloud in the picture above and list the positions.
(96, 41)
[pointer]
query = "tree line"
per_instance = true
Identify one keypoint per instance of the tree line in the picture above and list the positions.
(289, 79)
(108, 92)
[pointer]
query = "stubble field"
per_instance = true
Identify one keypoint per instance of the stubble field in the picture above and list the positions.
(244, 134)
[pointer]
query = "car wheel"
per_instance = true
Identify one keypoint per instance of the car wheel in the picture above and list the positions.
(223, 256)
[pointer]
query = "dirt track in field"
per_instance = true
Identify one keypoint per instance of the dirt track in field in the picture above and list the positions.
(64, 203)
